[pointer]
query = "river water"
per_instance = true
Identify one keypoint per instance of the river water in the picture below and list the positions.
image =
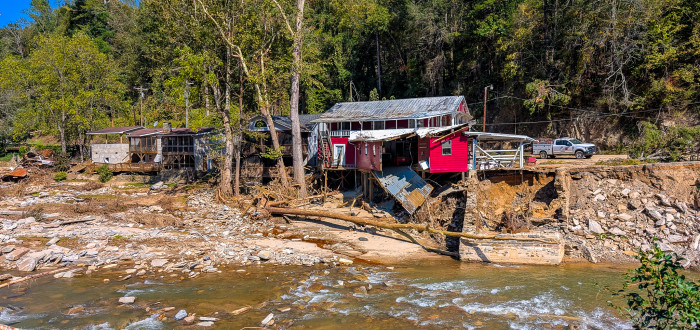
(445, 294)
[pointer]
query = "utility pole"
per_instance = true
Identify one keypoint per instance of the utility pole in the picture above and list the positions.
(141, 95)
(187, 103)
(379, 66)
(486, 90)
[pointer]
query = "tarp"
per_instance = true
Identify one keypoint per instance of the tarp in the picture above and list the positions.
(405, 185)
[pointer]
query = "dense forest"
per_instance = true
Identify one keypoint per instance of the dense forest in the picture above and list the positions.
(622, 73)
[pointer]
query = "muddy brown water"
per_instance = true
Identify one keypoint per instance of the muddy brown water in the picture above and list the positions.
(445, 294)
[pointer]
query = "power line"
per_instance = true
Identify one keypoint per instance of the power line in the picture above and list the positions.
(600, 115)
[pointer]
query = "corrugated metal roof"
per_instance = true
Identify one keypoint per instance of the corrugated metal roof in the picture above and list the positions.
(284, 123)
(174, 131)
(115, 130)
(392, 109)
(484, 136)
(307, 119)
(405, 185)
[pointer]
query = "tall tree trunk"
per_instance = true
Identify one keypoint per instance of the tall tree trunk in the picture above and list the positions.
(297, 152)
(262, 101)
(62, 131)
(237, 176)
(265, 111)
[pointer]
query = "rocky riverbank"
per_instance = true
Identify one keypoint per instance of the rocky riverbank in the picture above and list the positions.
(141, 231)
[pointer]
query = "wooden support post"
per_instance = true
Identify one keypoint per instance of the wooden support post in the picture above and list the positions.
(325, 185)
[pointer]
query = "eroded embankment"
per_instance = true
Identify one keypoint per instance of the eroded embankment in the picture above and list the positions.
(605, 214)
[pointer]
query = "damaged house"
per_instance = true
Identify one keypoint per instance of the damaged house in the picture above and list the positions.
(140, 149)
(397, 144)
(257, 169)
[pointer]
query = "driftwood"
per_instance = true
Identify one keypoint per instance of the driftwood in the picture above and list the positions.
(31, 277)
(393, 226)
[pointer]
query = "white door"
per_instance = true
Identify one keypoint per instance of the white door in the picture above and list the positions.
(339, 154)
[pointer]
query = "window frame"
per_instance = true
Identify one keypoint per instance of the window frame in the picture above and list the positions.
(447, 143)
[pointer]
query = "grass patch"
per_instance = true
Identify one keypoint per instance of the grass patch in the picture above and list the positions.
(135, 185)
(6, 157)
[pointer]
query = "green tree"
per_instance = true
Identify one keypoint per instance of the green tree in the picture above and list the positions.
(658, 296)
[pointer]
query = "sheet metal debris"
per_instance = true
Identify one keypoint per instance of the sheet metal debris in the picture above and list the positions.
(405, 185)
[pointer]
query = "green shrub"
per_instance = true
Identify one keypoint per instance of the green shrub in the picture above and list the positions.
(657, 296)
(23, 150)
(105, 173)
(60, 176)
(61, 163)
(674, 143)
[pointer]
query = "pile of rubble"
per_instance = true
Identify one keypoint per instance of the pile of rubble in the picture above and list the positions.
(613, 218)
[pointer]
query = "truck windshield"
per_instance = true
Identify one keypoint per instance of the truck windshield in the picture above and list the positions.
(576, 141)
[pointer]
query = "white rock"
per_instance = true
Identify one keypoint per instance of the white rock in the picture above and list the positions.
(599, 198)
(127, 300)
(159, 262)
(595, 227)
(345, 261)
(205, 324)
(617, 231)
(625, 217)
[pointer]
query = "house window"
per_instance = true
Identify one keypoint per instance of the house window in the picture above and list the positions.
(365, 149)
(446, 148)
(378, 125)
(345, 126)
(374, 150)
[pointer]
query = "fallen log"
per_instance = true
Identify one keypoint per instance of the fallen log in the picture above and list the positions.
(30, 277)
(394, 226)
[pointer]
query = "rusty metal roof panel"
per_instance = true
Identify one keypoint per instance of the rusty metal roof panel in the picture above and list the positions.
(405, 185)
(392, 109)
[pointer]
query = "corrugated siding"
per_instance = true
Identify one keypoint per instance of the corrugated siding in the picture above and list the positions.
(405, 185)
(457, 162)
(393, 109)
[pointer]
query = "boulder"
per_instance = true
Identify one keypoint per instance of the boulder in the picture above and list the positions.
(159, 262)
(16, 254)
(127, 300)
(205, 324)
(181, 314)
(634, 204)
(654, 214)
(625, 217)
(7, 249)
(27, 264)
(617, 231)
(595, 227)
(158, 185)
(265, 254)
(345, 261)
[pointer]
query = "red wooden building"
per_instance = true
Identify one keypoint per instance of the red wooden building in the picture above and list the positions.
(421, 133)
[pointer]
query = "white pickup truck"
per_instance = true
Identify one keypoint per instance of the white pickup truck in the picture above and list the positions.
(562, 147)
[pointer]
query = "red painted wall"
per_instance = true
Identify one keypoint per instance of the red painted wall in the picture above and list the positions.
(349, 149)
(371, 161)
(457, 162)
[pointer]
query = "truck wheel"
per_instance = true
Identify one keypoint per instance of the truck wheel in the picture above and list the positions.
(579, 154)
(543, 155)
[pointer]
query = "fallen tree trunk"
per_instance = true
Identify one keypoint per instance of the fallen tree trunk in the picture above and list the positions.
(394, 226)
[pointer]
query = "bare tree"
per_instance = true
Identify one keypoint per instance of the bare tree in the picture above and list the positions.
(297, 152)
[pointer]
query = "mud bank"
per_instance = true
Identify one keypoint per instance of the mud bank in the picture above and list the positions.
(604, 213)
